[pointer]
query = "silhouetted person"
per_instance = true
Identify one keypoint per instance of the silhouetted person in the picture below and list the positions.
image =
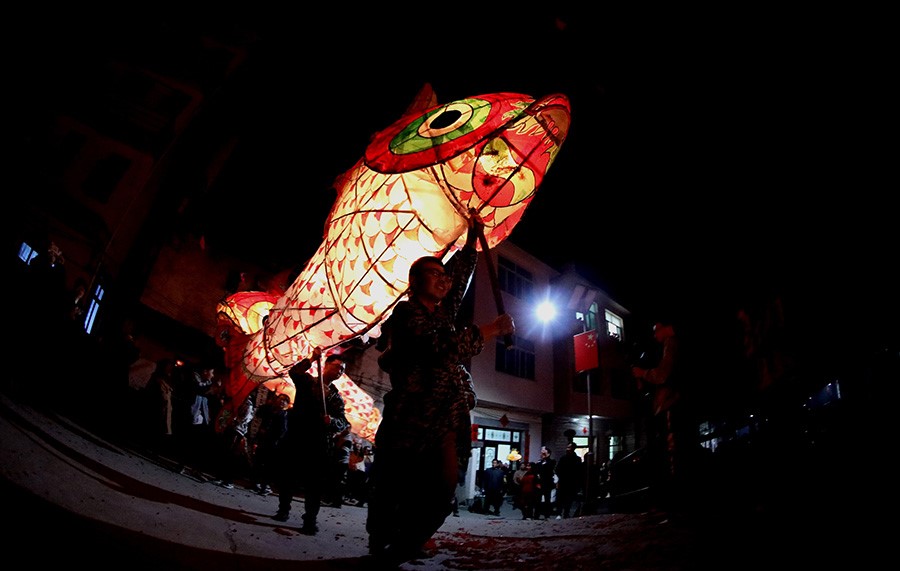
(494, 483)
(570, 473)
(311, 425)
(424, 438)
(272, 426)
(546, 470)
(664, 430)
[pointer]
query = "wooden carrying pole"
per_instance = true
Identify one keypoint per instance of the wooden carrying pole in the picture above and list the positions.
(495, 284)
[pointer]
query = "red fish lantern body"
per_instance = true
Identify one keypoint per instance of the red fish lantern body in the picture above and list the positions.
(408, 197)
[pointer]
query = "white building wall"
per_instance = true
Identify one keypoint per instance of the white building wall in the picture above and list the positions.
(493, 387)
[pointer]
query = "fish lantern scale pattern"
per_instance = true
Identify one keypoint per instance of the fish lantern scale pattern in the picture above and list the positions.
(409, 196)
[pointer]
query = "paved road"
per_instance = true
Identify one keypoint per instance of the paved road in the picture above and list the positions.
(72, 496)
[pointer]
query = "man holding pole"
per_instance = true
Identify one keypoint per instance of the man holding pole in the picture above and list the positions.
(317, 415)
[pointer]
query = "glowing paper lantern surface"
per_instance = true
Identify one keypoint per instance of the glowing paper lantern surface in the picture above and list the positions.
(406, 198)
(239, 316)
(246, 310)
(359, 406)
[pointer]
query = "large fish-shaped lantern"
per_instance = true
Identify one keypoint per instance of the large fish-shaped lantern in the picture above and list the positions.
(409, 196)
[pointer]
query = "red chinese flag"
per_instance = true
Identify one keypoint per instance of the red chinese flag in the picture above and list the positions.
(586, 355)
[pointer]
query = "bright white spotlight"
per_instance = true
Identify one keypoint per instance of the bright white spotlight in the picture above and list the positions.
(546, 311)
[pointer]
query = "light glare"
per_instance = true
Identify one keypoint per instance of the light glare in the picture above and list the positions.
(546, 311)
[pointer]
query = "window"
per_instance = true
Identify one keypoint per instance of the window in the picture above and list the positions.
(616, 445)
(498, 435)
(27, 253)
(513, 279)
(589, 317)
(582, 445)
(517, 360)
(90, 318)
(614, 325)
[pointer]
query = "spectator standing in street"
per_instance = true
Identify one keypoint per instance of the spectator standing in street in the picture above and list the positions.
(570, 476)
(546, 470)
(197, 439)
(494, 482)
(234, 452)
(357, 477)
(340, 465)
(516, 485)
(530, 490)
(159, 395)
(273, 423)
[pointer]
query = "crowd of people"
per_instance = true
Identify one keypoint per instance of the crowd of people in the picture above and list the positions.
(276, 445)
(270, 445)
(545, 489)
(173, 414)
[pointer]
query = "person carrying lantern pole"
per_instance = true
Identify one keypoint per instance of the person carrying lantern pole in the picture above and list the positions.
(425, 428)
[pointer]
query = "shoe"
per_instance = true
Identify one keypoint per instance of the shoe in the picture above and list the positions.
(393, 557)
(281, 516)
(226, 485)
(559, 517)
(264, 490)
(309, 526)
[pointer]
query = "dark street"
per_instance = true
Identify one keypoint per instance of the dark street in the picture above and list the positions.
(99, 500)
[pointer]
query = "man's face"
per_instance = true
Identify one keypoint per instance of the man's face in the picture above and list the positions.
(433, 281)
(333, 370)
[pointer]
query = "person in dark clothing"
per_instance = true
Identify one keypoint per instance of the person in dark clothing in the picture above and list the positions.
(272, 426)
(234, 458)
(569, 472)
(546, 470)
(426, 427)
(357, 477)
(311, 426)
(340, 465)
(530, 490)
(494, 483)
(666, 424)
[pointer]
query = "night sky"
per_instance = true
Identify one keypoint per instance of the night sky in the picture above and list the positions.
(712, 155)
